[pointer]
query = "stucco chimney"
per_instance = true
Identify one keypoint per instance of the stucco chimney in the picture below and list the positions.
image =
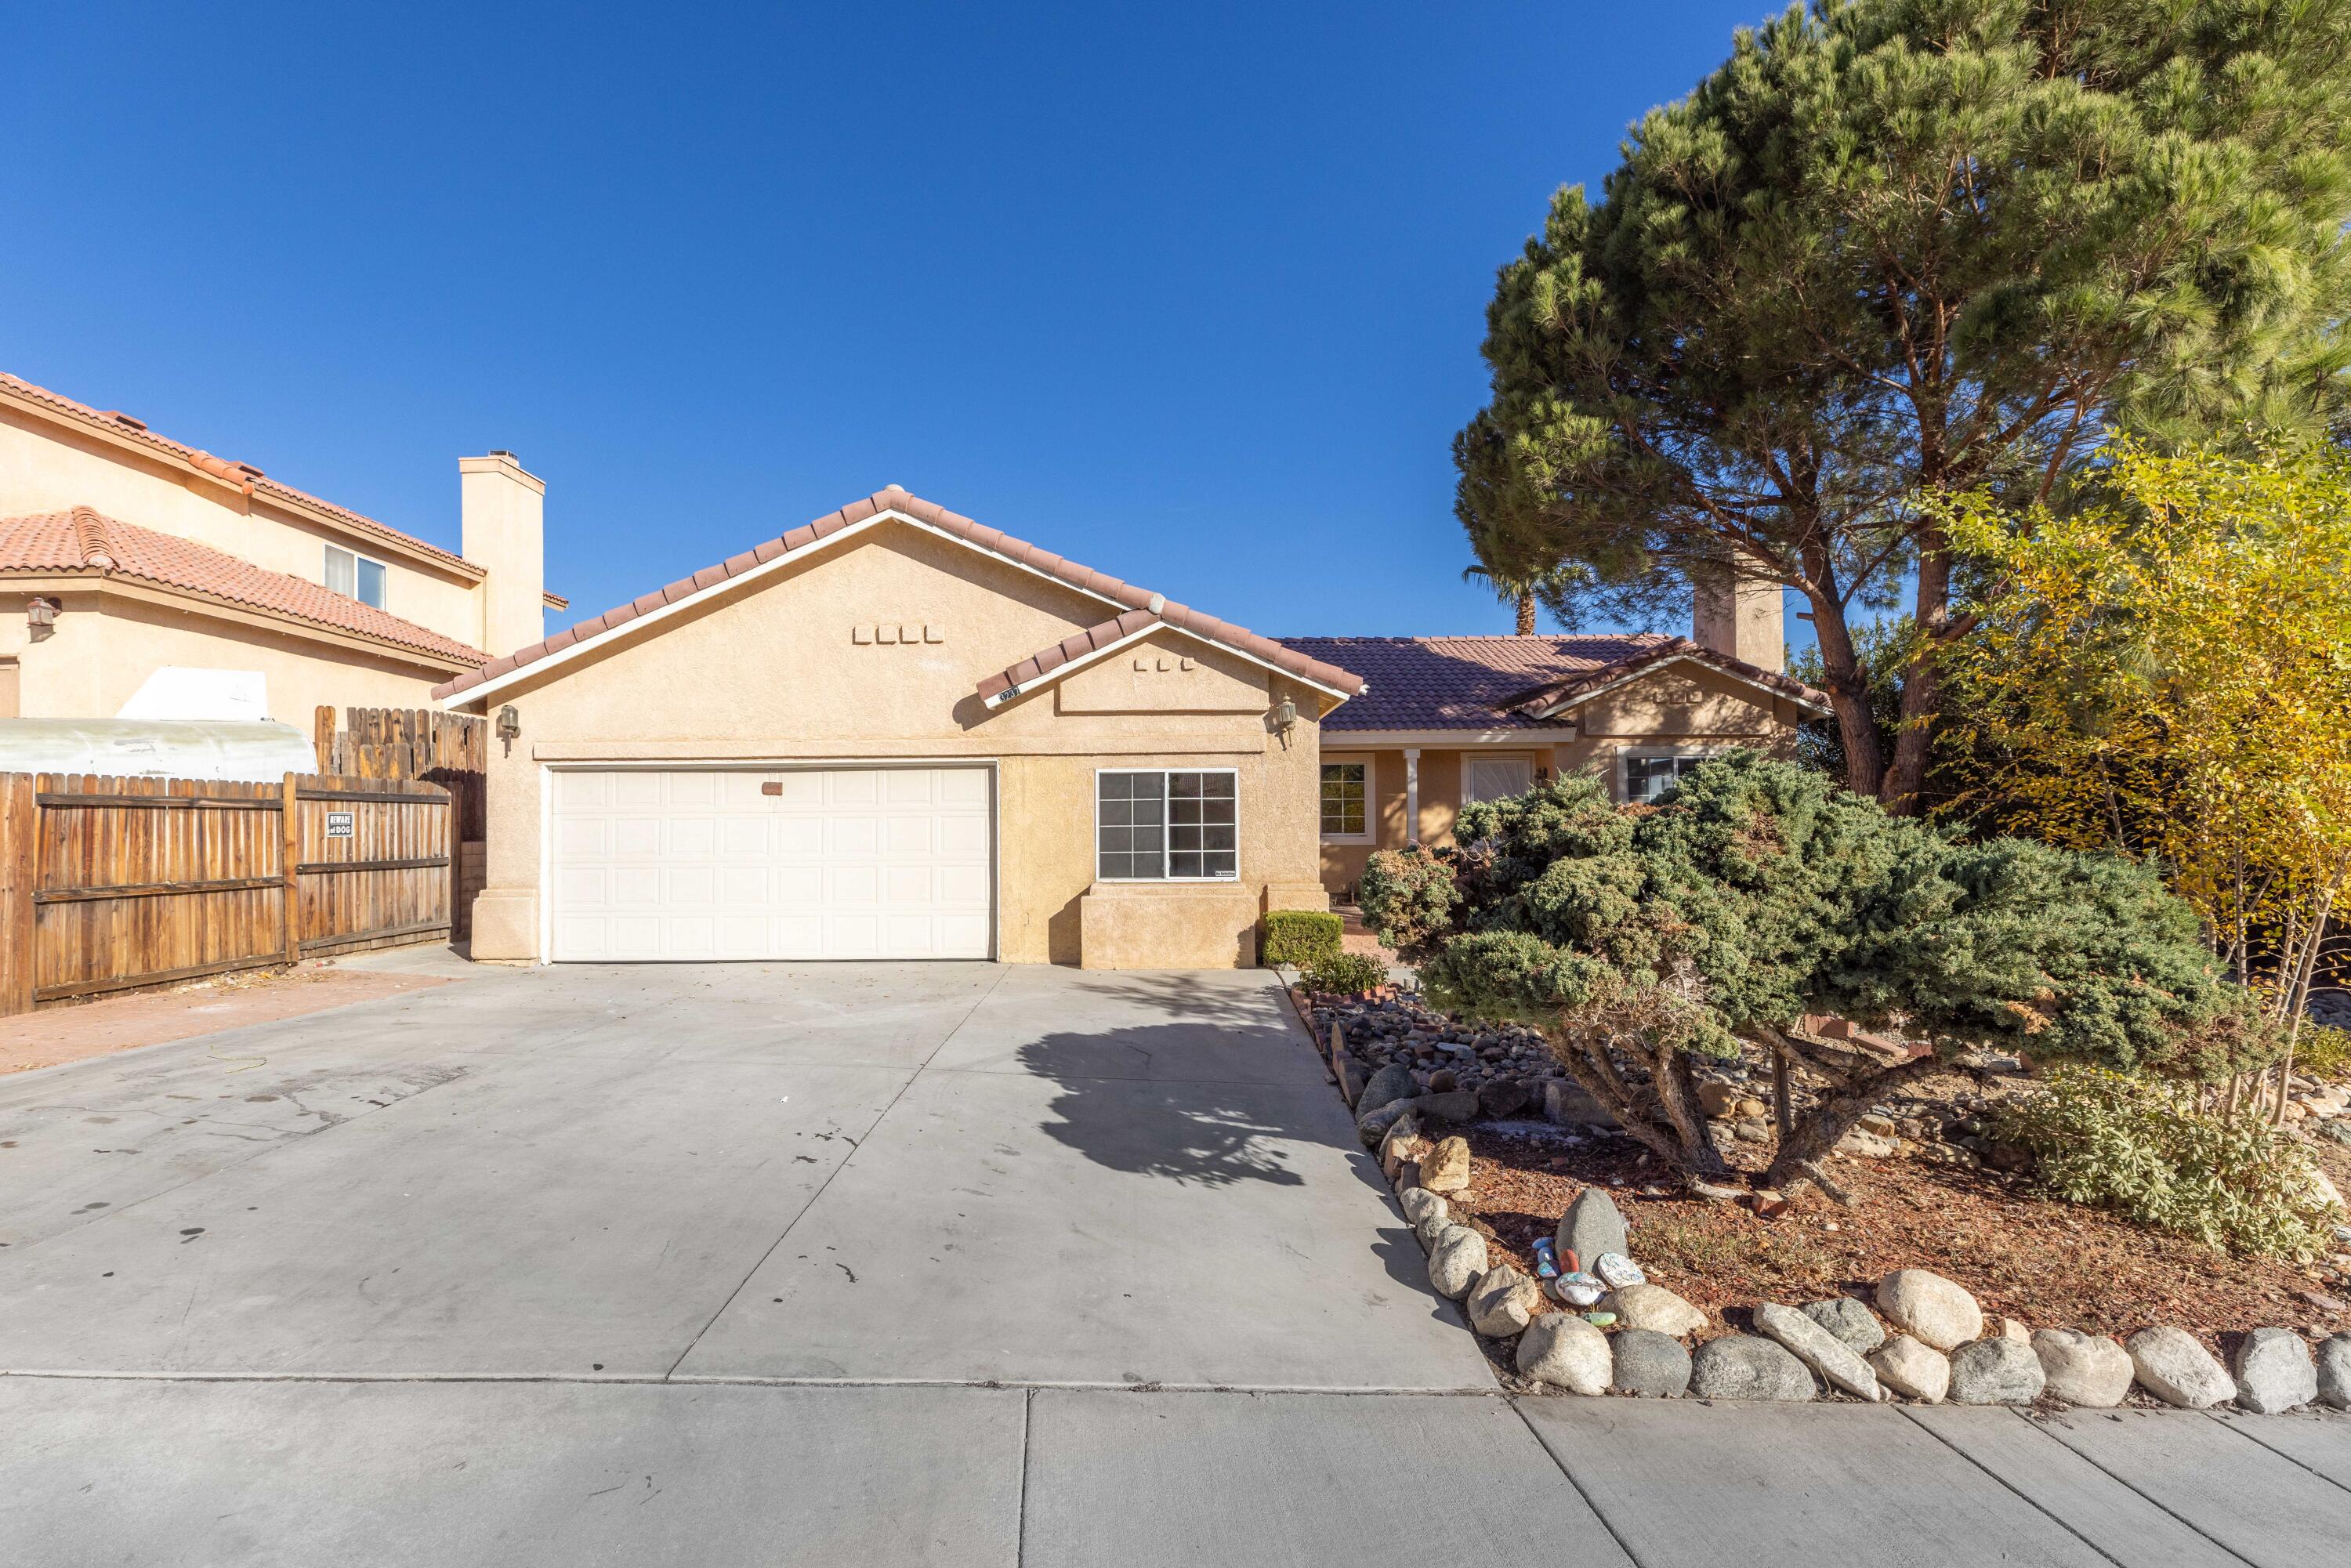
(1741, 616)
(502, 512)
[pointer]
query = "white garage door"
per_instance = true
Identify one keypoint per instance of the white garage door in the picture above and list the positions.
(888, 863)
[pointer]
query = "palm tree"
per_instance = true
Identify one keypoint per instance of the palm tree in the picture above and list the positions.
(1511, 590)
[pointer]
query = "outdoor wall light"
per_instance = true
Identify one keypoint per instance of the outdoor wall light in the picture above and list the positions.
(41, 618)
(509, 726)
(1282, 719)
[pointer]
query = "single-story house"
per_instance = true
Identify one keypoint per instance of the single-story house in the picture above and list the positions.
(895, 733)
(1447, 720)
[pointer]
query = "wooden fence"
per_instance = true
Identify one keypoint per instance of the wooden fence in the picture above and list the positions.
(445, 748)
(110, 884)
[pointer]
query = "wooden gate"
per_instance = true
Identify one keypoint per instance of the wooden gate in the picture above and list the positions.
(450, 749)
(110, 884)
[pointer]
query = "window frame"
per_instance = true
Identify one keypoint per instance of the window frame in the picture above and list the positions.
(1371, 774)
(358, 560)
(1166, 828)
(1691, 755)
(1470, 759)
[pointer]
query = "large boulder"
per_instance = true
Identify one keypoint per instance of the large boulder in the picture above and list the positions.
(2275, 1372)
(1432, 1225)
(1852, 1322)
(2172, 1366)
(1653, 1308)
(1567, 1104)
(1503, 1303)
(1455, 1105)
(1648, 1364)
(1562, 1350)
(1998, 1371)
(1501, 1097)
(1457, 1260)
(1419, 1203)
(1912, 1370)
(1446, 1169)
(2334, 1372)
(1741, 1366)
(1374, 1127)
(1593, 1226)
(1389, 1084)
(1930, 1309)
(1837, 1363)
(2085, 1369)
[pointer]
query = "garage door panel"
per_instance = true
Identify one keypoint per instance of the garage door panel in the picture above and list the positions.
(841, 864)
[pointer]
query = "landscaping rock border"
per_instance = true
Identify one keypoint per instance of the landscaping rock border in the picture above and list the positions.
(1632, 1340)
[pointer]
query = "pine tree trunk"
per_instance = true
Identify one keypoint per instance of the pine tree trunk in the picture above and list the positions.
(1848, 685)
(1799, 1156)
(1922, 682)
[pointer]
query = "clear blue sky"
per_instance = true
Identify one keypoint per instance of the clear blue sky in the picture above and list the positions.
(1190, 293)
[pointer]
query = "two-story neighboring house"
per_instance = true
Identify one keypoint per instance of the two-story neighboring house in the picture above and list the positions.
(137, 572)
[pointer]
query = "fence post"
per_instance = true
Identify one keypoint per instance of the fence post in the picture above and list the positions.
(19, 850)
(291, 831)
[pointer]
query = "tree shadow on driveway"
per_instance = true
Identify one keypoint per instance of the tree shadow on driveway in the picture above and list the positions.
(1123, 1107)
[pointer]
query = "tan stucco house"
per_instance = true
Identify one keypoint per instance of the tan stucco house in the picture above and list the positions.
(133, 568)
(1447, 720)
(895, 733)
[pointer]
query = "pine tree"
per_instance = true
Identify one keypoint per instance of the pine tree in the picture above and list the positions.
(1893, 249)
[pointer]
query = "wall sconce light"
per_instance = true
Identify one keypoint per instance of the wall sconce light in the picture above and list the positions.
(41, 619)
(509, 726)
(1282, 720)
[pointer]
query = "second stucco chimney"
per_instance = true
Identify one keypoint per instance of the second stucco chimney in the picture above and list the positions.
(1741, 616)
(502, 513)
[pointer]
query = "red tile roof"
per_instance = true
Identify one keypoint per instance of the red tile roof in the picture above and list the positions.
(995, 542)
(1501, 682)
(84, 542)
(244, 476)
(1093, 639)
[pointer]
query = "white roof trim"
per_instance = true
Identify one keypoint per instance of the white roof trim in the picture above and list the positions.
(1068, 665)
(545, 663)
(1582, 697)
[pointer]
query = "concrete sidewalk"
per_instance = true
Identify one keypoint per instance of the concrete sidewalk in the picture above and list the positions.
(157, 1471)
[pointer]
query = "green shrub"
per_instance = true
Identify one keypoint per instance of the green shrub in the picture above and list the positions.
(1409, 898)
(1299, 937)
(2324, 1052)
(1347, 974)
(2146, 1149)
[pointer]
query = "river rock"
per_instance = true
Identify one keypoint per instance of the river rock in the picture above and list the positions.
(1852, 1323)
(1374, 1127)
(1389, 1084)
(1817, 1348)
(1716, 1098)
(1656, 1309)
(1502, 1097)
(1566, 1103)
(1914, 1370)
(1997, 1371)
(1930, 1309)
(1446, 1169)
(2334, 1372)
(1455, 1105)
(1457, 1260)
(2274, 1372)
(1593, 1226)
(2085, 1369)
(1503, 1303)
(1418, 1203)
(2171, 1364)
(1648, 1364)
(1741, 1366)
(1561, 1349)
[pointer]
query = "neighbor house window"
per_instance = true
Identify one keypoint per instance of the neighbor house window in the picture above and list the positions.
(1496, 777)
(1166, 826)
(1647, 777)
(355, 576)
(1346, 788)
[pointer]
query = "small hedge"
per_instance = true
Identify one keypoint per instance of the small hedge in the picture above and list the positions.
(1301, 937)
(1347, 974)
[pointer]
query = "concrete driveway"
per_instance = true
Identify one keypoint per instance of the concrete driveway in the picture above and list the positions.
(949, 1265)
(929, 1173)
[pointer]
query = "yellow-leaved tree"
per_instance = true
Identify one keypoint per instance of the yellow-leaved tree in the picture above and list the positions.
(2167, 671)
